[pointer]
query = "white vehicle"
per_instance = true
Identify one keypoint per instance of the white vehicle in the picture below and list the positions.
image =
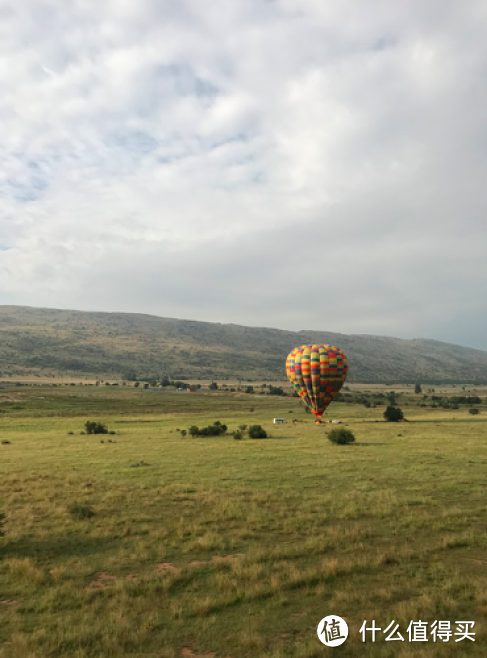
(279, 421)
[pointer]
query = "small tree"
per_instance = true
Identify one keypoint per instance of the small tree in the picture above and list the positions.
(257, 432)
(213, 386)
(341, 436)
(417, 388)
(95, 428)
(393, 414)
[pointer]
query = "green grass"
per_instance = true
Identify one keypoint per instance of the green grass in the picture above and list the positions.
(233, 548)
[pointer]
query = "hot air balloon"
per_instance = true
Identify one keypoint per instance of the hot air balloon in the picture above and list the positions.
(317, 373)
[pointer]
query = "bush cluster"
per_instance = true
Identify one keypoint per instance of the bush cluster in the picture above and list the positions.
(454, 401)
(212, 430)
(276, 390)
(218, 428)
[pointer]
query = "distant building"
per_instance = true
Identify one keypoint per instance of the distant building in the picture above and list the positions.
(279, 421)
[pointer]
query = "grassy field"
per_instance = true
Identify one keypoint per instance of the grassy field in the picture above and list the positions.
(202, 547)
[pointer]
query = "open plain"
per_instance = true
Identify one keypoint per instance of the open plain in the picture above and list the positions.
(148, 544)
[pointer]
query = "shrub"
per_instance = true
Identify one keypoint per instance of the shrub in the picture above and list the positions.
(393, 414)
(2, 521)
(341, 436)
(212, 430)
(242, 427)
(238, 435)
(81, 512)
(257, 432)
(473, 411)
(95, 428)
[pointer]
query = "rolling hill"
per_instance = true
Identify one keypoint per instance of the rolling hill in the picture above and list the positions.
(39, 341)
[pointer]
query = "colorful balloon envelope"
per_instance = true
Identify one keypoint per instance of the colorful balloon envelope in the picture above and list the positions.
(317, 373)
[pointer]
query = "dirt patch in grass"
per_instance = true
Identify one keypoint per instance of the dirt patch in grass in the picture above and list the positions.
(102, 580)
(167, 567)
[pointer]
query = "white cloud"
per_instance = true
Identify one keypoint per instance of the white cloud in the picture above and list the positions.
(296, 164)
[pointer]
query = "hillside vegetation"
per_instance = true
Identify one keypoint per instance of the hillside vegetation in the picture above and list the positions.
(35, 341)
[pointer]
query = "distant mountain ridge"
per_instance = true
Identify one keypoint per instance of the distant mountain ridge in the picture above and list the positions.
(49, 341)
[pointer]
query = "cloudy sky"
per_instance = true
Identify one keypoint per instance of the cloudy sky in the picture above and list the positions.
(301, 164)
